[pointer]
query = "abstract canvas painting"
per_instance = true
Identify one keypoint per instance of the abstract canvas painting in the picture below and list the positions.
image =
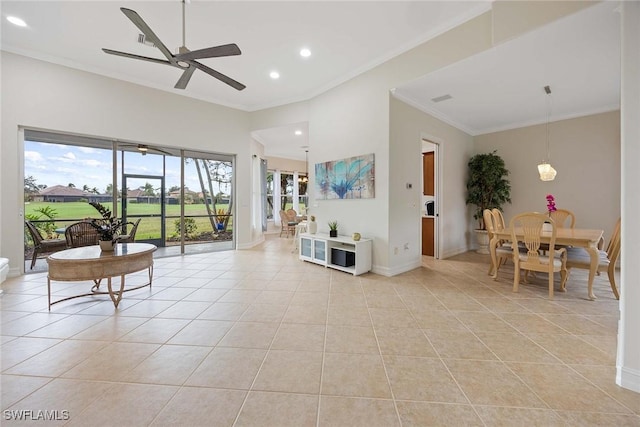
(351, 178)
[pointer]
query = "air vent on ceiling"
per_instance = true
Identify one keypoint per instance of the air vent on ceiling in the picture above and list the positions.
(143, 40)
(441, 98)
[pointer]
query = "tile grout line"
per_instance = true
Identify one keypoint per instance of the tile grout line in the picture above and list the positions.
(324, 350)
(445, 365)
(266, 354)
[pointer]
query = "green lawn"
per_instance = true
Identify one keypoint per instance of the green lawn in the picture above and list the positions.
(67, 213)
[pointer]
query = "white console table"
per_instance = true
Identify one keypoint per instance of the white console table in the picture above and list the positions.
(341, 253)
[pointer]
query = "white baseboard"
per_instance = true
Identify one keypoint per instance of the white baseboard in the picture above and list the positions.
(454, 252)
(628, 378)
(383, 271)
(390, 272)
(251, 244)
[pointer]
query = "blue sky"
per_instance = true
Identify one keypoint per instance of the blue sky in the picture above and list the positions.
(56, 164)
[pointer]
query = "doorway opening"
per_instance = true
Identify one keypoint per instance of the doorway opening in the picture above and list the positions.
(430, 198)
(147, 204)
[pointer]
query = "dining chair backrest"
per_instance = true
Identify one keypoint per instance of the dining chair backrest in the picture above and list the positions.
(502, 252)
(34, 232)
(489, 222)
(498, 219)
(41, 245)
(81, 234)
(530, 223)
(527, 228)
(291, 215)
(560, 217)
(283, 218)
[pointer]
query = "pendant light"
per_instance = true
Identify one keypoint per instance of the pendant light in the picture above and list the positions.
(305, 178)
(546, 171)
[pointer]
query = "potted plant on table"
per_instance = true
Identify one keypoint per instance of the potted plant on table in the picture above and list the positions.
(333, 228)
(487, 188)
(109, 227)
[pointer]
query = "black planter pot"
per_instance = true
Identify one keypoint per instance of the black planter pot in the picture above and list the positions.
(333, 233)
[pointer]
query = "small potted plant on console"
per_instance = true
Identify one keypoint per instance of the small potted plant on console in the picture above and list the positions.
(333, 228)
(109, 227)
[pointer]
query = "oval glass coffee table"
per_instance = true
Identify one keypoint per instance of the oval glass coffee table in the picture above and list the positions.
(90, 263)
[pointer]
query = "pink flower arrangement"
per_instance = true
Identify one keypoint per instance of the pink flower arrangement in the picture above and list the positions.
(551, 203)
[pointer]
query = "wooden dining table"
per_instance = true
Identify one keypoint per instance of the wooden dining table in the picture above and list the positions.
(577, 237)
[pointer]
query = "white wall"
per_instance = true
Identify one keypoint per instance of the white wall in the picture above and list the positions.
(279, 116)
(286, 165)
(350, 121)
(586, 153)
(42, 95)
(354, 119)
(408, 127)
(628, 363)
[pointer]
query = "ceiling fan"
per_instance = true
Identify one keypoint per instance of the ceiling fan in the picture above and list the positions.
(184, 59)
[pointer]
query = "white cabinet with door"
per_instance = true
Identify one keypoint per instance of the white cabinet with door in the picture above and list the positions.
(314, 250)
(341, 253)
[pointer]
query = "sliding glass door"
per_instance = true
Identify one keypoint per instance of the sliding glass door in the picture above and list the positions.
(184, 199)
(146, 203)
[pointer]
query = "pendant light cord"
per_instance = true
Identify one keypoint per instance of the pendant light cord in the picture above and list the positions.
(547, 89)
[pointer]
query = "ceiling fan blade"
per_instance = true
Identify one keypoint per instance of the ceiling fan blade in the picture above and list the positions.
(132, 56)
(211, 52)
(225, 79)
(186, 76)
(149, 34)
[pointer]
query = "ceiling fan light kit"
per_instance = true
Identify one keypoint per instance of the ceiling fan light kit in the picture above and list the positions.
(545, 170)
(185, 59)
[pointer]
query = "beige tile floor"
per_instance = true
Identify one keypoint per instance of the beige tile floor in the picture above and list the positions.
(258, 338)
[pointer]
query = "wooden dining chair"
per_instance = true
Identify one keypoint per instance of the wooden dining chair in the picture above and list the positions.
(41, 245)
(498, 219)
(503, 250)
(580, 258)
(560, 216)
(529, 226)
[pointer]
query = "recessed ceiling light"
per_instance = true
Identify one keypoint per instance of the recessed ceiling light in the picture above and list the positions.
(16, 21)
(298, 132)
(274, 75)
(305, 53)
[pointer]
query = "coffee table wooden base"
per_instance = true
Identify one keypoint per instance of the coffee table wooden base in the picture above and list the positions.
(90, 263)
(116, 296)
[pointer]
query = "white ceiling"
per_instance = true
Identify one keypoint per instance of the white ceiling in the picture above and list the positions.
(492, 90)
(503, 88)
